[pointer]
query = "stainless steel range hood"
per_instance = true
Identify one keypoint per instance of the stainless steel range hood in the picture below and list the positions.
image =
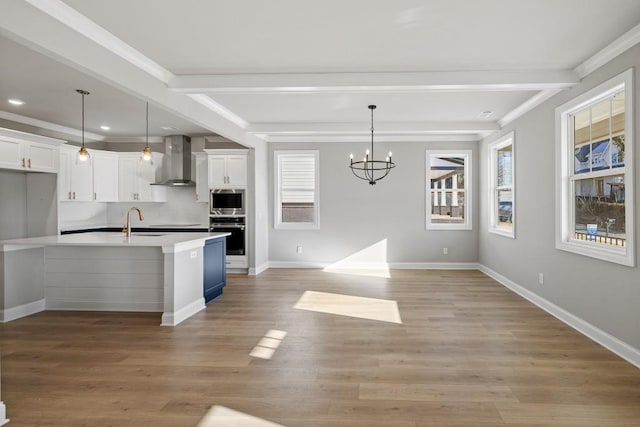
(177, 165)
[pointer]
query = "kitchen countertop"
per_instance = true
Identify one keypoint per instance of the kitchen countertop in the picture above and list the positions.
(169, 242)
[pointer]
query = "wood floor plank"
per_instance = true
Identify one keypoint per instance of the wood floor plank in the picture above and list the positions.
(468, 353)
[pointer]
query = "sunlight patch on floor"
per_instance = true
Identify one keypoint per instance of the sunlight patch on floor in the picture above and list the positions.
(268, 344)
(348, 305)
(221, 416)
(370, 261)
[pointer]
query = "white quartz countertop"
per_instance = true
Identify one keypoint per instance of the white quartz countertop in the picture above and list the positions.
(165, 240)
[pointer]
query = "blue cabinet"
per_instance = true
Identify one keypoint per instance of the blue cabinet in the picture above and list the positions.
(215, 268)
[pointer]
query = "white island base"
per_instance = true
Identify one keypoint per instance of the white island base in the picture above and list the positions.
(104, 272)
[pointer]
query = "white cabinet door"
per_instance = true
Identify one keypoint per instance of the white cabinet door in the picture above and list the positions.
(202, 178)
(145, 176)
(236, 171)
(11, 154)
(81, 181)
(105, 177)
(135, 178)
(217, 171)
(127, 179)
(41, 157)
(75, 179)
(64, 178)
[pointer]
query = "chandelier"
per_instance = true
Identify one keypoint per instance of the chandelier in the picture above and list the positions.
(370, 169)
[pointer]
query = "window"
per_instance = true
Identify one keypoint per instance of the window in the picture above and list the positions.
(448, 190)
(501, 186)
(595, 173)
(296, 189)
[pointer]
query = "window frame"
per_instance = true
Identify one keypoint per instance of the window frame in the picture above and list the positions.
(278, 224)
(493, 214)
(467, 155)
(566, 176)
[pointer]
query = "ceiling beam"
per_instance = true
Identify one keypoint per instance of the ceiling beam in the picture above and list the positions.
(433, 81)
(382, 128)
(68, 38)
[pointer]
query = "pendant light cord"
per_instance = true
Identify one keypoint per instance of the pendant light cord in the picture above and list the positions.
(147, 144)
(82, 119)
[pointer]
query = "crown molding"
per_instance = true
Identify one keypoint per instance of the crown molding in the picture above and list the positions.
(89, 136)
(129, 139)
(612, 50)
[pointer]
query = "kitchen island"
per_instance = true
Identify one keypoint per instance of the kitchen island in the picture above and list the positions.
(153, 272)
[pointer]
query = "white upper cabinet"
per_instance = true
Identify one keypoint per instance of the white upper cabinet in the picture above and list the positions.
(227, 168)
(75, 179)
(105, 177)
(202, 177)
(135, 177)
(28, 152)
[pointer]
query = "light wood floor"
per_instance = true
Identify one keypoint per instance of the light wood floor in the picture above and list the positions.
(467, 353)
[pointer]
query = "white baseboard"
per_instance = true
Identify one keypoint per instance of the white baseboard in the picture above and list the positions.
(23, 310)
(259, 269)
(392, 265)
(64, 305)
(622, 349)
(297, 264)
(174, 318)
(434, 265)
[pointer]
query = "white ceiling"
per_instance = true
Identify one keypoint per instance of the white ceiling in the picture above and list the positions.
(286, 68)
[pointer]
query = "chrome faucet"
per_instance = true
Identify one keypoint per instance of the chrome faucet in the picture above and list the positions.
(127, 226)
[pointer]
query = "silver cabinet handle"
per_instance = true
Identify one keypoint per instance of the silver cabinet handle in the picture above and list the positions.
(23, 165)
(69, 195)
(95, 196)
(74, 195)
(29, 163)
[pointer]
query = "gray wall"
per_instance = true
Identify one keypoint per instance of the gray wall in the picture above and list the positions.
(604, 294)
(355, 215)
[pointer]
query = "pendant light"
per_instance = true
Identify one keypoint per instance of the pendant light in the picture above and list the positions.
(369, 169)
(146, 152)
(83, 153)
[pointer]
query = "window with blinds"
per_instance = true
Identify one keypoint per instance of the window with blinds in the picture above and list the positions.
(296, 189)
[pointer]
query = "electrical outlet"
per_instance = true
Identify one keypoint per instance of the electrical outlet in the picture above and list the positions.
(298, 249)
(445, 251)
(194, 254)
(540, 278)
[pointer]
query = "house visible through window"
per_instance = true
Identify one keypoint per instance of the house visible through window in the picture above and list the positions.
(501, 186)
(296, 189)
(596, 215)
(449, 192)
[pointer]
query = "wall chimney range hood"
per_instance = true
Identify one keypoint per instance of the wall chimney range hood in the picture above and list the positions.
(177, 164)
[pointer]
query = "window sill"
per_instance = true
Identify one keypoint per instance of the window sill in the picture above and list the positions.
(503, 232)
(618, 256)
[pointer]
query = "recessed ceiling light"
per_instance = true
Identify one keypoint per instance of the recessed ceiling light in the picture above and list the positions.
(485, 114)
(16, 102)
(105, 127)
(169, 128)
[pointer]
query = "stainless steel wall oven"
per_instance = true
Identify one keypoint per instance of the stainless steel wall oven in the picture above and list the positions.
(235, 225)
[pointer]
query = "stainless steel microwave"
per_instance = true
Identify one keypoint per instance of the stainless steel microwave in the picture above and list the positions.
(227, 202)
